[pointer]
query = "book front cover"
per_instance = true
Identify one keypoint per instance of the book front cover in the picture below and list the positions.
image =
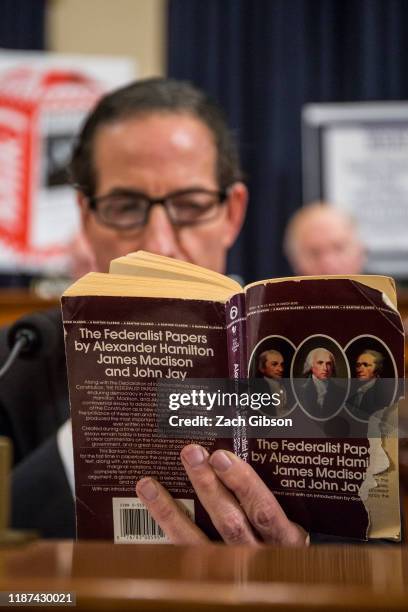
(117, 350)
(334, 351)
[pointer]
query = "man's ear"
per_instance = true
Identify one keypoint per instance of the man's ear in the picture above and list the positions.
(237, 201)
(83, 205)
(84, 211)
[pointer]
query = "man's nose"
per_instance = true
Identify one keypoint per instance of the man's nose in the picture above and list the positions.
(159, 235)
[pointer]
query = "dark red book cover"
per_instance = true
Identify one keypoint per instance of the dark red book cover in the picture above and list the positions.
(327, 477)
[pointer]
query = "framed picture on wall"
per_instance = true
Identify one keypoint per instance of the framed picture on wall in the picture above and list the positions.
(355, 157)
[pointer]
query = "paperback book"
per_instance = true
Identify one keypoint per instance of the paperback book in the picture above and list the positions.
(328, 352)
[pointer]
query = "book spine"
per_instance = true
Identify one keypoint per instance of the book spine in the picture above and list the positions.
(236, 337)
(237, 361)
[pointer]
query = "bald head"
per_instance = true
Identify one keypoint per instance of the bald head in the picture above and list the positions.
(321, 239)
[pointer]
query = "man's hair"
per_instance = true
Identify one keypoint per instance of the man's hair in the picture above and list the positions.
(378, 359)
(263, 357)
(150, 96)
(307, 366)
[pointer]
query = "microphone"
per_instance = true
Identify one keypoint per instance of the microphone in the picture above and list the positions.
(35, 335)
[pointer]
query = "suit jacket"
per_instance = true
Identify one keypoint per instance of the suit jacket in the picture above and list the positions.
(333, 399)
(375, 398)
(280, 386)
(33, 405)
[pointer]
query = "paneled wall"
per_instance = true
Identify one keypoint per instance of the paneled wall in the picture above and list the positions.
(135, 28)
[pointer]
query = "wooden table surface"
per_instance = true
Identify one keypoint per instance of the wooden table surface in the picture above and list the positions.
(105, 576)
(15, 303)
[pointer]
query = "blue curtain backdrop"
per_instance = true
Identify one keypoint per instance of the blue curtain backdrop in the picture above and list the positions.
(22, 24)
(264, 59)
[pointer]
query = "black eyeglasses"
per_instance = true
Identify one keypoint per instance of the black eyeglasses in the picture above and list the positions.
(126, 209)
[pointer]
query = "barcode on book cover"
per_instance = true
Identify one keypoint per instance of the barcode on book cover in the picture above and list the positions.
(132, 522)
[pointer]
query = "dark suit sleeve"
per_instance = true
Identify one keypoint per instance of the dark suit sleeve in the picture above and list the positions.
(41, 496)
(33, 405)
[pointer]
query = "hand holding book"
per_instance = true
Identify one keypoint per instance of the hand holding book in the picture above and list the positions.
(242, 508)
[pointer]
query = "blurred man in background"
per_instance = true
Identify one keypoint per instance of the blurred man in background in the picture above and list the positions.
(320, 239)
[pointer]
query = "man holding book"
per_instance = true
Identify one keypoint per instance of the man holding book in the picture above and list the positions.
(155, 169)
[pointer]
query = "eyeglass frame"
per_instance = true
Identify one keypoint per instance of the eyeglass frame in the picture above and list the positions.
(222, 195)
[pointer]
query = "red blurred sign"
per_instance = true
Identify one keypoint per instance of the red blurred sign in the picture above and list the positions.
(40, 112)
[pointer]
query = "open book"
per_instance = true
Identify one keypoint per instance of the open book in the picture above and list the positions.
(328, 352)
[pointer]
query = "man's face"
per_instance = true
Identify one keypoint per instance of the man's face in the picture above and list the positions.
(274, 365)
(326, 244)
(158, 154)
(365, 367)
(322, 365)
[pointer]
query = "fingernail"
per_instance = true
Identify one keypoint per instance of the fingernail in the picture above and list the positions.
(194, 455)
(148, 489)
(220, 461)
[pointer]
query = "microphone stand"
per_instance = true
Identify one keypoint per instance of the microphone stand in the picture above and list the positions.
(18, 347)
(10, 537)
(27, 338)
